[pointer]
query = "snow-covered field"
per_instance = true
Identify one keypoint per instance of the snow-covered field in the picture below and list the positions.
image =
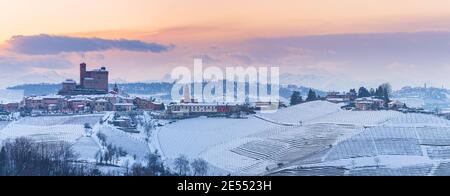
(318, 136)
(55, 129)
(71, 129)
(315, 138)
(309, 111)
(132, 145)
(409, 144)
(248, 146)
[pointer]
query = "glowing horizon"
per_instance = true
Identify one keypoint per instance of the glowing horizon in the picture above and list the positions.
(292, 17)
(254, 32)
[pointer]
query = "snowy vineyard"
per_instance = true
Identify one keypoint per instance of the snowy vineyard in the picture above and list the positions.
(316, 138)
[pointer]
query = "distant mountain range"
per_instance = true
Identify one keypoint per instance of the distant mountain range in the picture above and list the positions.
(160, 89)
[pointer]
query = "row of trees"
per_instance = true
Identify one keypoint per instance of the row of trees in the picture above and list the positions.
(154, 167)
(383, 92)
(296, 97)
(24, 157)
(183, 166)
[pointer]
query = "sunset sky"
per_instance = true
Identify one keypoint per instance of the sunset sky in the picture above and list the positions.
(142, 40)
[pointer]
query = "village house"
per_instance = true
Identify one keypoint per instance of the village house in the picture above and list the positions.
(34, 103)
(147, 104)
(189, 107)
(123, 107)
(9, 107)
(201, 109)
(79, 104)
(396, 104)
(338, 97)
(369, 103)
(101, 105)
(54, 103)
(266, 105)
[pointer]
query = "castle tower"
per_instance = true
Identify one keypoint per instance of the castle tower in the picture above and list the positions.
(82, 74)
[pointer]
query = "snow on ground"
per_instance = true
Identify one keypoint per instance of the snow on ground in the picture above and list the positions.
(67, 133)
(415, 120)
(326, 112)
(132, 145)
(86, 148)
(409, 144)
(328, 140)
(413, 102)
(191, 137)
(3, 124)
(61, 120)
(55, 129)
(248, 146)
(302, 112)
(363, 118)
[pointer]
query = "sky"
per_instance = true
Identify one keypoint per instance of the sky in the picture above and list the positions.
(365, 41)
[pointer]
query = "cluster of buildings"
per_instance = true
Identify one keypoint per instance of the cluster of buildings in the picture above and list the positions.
(338, 97)
(189, 107)
(91, 95)
(351, 100)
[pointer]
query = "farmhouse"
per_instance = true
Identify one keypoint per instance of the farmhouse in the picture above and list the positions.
(147, 104)
(9, 107)
(337, 97)
(123, 107)
(369, 103)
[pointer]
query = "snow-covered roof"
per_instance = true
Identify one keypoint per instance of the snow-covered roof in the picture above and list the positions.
(69, 81)
(335, 99)
(101, 100)
(80, 99)
(123, 104)
(371, 99)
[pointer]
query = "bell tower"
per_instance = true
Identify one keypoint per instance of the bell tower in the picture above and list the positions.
(82, 74)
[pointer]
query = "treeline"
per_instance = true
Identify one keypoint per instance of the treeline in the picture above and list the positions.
(296, 97)
(25, 157)
(383, 92)
(156, 167)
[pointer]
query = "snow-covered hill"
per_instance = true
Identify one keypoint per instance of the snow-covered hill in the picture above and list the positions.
(429, 98)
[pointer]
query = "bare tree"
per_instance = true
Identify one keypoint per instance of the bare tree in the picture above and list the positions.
(24, 157)
(200, 167)
(182, 165)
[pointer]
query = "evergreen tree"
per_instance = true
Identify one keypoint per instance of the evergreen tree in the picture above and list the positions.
(296, 98)
(385, 91)
(363, 92)
(311, 95)
(372, 92)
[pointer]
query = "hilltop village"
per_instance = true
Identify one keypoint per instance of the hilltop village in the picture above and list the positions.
(92, 95)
